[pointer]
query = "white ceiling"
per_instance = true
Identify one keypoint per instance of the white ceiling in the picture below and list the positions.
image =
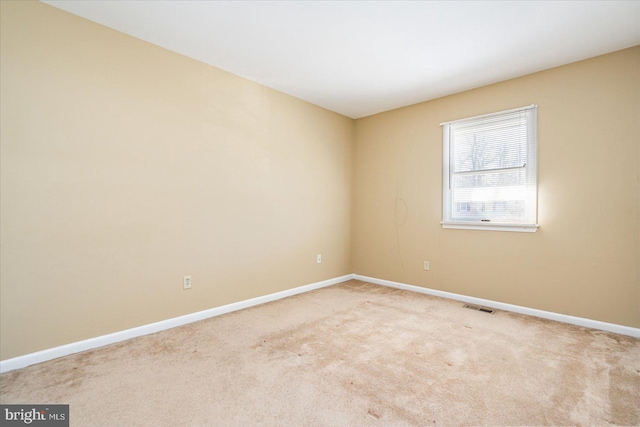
(359, 57)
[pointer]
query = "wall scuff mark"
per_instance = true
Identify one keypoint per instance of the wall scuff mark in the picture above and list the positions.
(401, 214)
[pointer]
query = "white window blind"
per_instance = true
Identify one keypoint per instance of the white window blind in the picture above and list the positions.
(490, 171)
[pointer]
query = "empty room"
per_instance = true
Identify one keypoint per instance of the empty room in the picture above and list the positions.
(319, 213)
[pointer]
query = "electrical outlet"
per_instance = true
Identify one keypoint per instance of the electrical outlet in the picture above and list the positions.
(319, 259)
(426, 265)
(186, 282)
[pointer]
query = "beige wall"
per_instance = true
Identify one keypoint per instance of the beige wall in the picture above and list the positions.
(125, 166)
(583, 261)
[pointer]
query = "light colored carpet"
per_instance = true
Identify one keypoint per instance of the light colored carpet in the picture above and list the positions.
(353, 354)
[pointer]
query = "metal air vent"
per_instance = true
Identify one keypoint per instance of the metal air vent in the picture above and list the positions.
(479, 308)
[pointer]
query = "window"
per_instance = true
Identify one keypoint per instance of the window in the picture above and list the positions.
(489, 171)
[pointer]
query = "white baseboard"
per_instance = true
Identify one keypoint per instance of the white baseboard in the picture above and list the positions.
(76, 347)
(579, 321)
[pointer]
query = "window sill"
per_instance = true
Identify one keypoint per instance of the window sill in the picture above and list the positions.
(522, 228)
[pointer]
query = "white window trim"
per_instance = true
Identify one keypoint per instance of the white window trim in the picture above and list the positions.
(494, 226)
(478, 225)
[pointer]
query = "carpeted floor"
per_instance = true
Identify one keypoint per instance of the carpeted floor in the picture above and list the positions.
(353, 354)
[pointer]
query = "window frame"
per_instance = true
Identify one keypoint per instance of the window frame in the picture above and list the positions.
(530, 168)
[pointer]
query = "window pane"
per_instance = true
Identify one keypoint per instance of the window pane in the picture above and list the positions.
(493, 196)
(491, 148)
